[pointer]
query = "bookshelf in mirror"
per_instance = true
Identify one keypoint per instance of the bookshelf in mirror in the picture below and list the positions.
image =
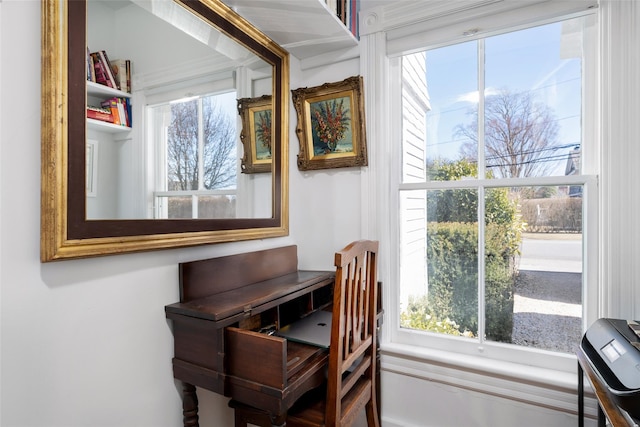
(97, 95)
(108, 92)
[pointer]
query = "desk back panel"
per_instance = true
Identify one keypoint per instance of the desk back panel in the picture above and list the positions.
(206, 277)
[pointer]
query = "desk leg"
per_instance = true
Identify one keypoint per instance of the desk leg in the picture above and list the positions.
(189, 405)
(580, 396)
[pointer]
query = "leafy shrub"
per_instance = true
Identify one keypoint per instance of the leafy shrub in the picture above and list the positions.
(418, 316)
(453, 279)
(208, 207)
(559, 214)
(451, 305)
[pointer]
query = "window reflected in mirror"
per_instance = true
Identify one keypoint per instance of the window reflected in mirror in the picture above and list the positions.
(195, 156)
(175, 153)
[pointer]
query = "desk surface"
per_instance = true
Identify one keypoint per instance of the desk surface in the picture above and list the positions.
(614, 414)
(241, 300)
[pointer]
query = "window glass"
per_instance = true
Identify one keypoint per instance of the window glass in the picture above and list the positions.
(452, 85)
(533, 267)
(532, 111)
(448, 299)
(196, 156)
(491, 211)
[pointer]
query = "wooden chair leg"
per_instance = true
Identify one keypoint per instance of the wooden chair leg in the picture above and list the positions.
(373, 416)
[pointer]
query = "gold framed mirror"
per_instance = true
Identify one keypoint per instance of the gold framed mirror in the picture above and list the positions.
(74, 176)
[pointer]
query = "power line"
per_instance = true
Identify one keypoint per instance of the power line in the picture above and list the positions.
(540, 150)
(547, 159)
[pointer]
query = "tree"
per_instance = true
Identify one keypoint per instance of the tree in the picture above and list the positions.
(520, 135)
(219, 142)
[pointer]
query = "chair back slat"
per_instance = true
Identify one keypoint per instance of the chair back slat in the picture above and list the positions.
(352, 358)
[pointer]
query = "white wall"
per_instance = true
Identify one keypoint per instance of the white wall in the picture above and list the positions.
(86, 342)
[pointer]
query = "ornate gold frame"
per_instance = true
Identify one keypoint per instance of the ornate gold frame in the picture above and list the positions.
(249, 108)
(65, 232)
(318, 151)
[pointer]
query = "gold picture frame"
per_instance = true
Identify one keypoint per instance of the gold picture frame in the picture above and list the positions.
(331, 125)
(256, 133)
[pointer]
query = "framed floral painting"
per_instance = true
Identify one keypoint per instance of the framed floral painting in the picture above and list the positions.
(256, 133)
(331, 125)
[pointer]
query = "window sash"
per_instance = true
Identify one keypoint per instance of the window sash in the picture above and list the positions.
(589, 180)
(160, 206)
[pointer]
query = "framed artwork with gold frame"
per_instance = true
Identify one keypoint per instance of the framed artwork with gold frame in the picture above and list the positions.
(256, 133)
(331, 125)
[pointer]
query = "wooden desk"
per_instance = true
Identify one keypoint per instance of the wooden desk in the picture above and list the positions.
(224, 305)
(607, 409)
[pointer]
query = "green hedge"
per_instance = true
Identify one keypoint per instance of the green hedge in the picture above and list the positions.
(451, 304)
(554, 215)
(208, 207)
(453, 280)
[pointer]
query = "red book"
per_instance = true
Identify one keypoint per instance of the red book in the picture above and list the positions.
(354, 17)
(101, 114)
(100, 70)
(110, 71)
(104, 73)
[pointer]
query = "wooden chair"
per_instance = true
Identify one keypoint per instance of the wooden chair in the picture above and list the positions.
(351, 381)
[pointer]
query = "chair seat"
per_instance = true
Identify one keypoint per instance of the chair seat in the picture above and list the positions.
(309, 410)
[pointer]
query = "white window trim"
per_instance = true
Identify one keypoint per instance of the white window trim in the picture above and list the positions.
(538, 386)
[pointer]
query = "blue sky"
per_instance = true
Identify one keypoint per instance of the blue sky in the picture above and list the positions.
(533, 60)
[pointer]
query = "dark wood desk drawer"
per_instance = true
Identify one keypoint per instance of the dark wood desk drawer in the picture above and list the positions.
(266, 359)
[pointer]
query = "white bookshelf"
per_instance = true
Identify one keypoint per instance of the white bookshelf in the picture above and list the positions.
(97, 92)
(305, 28)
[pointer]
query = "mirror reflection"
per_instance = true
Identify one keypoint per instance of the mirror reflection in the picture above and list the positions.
(163, 129)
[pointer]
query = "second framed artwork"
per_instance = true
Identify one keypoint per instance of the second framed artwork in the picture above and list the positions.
(331, 125)
(256, 133)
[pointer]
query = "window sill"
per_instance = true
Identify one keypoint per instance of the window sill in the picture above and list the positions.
(543, 387)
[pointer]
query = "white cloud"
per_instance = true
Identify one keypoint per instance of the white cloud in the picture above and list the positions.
(473, 97)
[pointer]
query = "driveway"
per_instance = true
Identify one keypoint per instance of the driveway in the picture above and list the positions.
(548, 293)
(547, 310)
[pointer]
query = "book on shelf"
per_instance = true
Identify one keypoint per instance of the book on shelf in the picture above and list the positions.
(91, 71)
(122, 70)
(120, 109)
(99, 113)
(112, 74)
(102, 72)
(347, 12)
(99, 72)
(355, 25)
(122, 114)
(128, 109)
(112, 105)
(102, 69)
(332, 5)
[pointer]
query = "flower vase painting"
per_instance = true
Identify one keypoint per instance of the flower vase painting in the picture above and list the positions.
(256, 133)
(331, 126)
(262, 121)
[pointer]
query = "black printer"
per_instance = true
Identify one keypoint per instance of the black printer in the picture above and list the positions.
(612, 347)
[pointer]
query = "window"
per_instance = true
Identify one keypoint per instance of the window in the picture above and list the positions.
(196, 156)
(493, 192)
